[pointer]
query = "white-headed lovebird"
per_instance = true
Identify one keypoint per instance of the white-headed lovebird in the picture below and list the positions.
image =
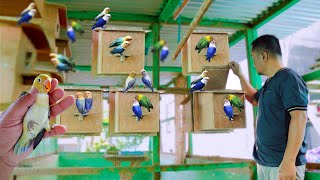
(146, 79)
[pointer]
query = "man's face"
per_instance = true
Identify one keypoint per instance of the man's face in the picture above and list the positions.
(258, 61)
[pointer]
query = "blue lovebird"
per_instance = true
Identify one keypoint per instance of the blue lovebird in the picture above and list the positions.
(199, 85)
(88, 101)
(80, 103)
(146, 80)
(137, 109)
(26, 10)
(130, 81)
(228, 109)
(101, 22)
(71, 34)
(164, 53)
(121, 48)
(62, 63)
(211, 51)
(27, 16)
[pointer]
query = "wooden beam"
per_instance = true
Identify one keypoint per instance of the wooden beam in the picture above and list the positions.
(180, 9)
(203, 9)
(167, 11)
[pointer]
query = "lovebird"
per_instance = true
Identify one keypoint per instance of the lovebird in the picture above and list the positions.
(27, 17)
(37, 116)
(80, 103)
(88, 101)
(235, 101)
(130, 81)
(121, 48)
(159, 45)
(199, 85)
(203, 74)
(146, 80)
(144, 101)
(77, 27)
(164, 53)
(203, 43)
(101, 22)
(71, 34)
(26, 10)
(62, 63)
(228, 109)
(137, 109)
(104, 12)
(119, 41)
(211, 51)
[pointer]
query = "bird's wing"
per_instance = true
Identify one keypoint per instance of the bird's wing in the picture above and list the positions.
(24, 12)
(98, 17)
(196, 80)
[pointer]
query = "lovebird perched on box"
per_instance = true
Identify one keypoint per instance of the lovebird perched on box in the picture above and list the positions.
(88, 101)
(130, 81)
(144, 101)
(235, 101)
(101, 22)
(121, 48)
(37, 117)
(119, 41)
(203, 43)
(199, 85)
(27, 16)
(146, 79)
(228, 109)
(137, 110)
(104, 12)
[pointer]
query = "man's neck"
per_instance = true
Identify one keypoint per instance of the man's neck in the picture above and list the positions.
(274, 66)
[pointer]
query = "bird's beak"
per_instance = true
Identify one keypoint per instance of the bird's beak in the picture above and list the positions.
(47, 85)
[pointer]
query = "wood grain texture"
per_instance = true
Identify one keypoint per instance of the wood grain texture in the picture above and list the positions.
(209, 114)
(121, 117)
(218, 76)
(108, 64)
(91, 123)
(195, 62)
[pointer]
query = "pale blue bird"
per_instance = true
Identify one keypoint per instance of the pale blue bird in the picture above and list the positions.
(27, 17)
(101, 22)
(121, 48)
(146, 80)
(71, 34)
(211, 51)
(88, 101)
(199, 85)
(228, 109)
(80, 103)
(164, 53)
(130, 81)
(136, 108)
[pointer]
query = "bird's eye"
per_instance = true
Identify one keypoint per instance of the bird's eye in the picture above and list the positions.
(39, 80)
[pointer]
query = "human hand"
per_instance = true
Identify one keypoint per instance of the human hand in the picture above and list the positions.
(235, 67)
(287, 170)
(11, 125)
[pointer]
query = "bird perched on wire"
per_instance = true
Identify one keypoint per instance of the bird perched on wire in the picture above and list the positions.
(62, 63)
(164, 53)
(235, 101)
(146, 79)
(37, 116)
(199, 85)
(203, 43)
(121, 48)
(77, 27)
(71, 34)
(99, 16)
(119, 41)
(27, 16)
(211, 51)
(101, 22)
(159, 45)
(144, 101)
(130, 81)
(199, 78)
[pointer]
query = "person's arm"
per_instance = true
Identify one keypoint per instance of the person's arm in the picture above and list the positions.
(245, 84)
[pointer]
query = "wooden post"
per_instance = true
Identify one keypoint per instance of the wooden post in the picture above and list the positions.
(180, 9)
(203, 9)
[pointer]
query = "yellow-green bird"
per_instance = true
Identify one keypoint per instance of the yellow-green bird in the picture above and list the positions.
(159, 45)
(235, 101)
(77, 27)
(203, 43)
(144, 101)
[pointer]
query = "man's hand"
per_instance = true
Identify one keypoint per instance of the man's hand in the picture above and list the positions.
(235, 68)
(287, 170)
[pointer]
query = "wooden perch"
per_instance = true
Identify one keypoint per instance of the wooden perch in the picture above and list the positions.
(180, 9)
(203, 9)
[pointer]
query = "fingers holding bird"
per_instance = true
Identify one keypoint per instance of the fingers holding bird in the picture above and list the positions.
(55, 131)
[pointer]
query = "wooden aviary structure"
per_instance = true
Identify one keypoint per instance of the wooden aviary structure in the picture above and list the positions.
(208, 113)
(122, 119)
(104, 63)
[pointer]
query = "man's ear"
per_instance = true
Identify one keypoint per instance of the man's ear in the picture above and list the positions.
(265, 56)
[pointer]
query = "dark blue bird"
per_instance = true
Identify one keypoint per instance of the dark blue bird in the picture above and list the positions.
(71, 34)
(136, 108)
(27, 17)
(211, 51)
(200, 84)
(101, 22)
(228, 109)
(164, 53)
(88, 101)
(80, 103)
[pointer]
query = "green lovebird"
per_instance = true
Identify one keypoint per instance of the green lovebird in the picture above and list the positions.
(159, 45)
(203, 43)
(144, 101)
(235, 101)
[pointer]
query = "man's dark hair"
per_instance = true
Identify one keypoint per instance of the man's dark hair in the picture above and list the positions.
(267, 43)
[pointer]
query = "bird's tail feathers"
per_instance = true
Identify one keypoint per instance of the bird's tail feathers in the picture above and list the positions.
(22, 145)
